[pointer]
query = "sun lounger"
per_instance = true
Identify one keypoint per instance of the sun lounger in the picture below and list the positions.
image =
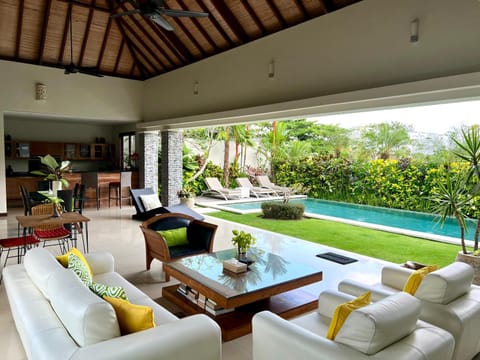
(255, 190)
(265, 182)
(215, 189)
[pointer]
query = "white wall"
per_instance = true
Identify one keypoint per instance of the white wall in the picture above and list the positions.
(79, 97)
(362, 46)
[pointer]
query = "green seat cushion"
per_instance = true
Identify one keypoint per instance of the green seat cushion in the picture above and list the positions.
(175, 237)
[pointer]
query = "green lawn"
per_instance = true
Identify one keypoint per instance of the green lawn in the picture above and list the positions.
(378, 244)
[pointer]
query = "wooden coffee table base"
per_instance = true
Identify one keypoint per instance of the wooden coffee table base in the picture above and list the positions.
(239, 322)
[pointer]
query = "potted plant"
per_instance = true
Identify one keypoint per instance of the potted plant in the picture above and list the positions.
(187, 197)
(242, 240)
(54, 171)
(457, 196)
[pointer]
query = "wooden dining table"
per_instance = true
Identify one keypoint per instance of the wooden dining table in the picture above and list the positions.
(32, 221)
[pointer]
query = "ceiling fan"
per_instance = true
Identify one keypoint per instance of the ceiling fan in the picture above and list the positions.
(72, 68)
(154, 9)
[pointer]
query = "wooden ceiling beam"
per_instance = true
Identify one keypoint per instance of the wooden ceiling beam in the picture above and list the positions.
(172, 41)
(190, 36)
(145, 46)
(278, 15)
(86, 34)
(46, 17)
(231, 20)
(152, 40)
(21, 5)
(88, 6)
(199, 27)
(119, 56)
(66, 30)
(146, 58)
(254, 16)
(328, 5)
(104, 42)
(302, 9)
(217, 25)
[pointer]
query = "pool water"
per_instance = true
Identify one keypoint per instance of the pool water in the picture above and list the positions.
(408, 220)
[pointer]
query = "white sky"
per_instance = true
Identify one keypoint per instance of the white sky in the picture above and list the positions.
(436, 119)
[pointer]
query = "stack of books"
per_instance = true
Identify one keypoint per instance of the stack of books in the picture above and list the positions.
(201, 300)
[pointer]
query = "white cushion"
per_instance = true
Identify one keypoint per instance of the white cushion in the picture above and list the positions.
(446, 284)
(88, 318)
(40, 264)
(150, 201)
(376, 326)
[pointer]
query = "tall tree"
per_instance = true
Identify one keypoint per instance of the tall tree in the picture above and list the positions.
(384, 139)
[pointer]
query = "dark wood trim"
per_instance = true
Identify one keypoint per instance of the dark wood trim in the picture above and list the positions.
(46, 17)
(66, 31)
(278, 15)
(19, 27)
(104, 42)
(172, 41)
(92, 6)
(302, 9)
(231, 20)
(254, 16)
(119, 56)
(86, 34)
(328, 5)
(217, 25)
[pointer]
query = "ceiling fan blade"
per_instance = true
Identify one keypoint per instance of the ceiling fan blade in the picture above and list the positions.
(70, 69)
(130, 12)
(161, 21)
(178, 13)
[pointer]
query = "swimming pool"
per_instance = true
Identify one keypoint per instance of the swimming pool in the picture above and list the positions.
(384, 218)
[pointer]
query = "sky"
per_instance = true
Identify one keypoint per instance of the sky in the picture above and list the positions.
(429, 119)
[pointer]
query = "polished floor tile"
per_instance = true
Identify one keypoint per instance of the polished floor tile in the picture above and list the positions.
(113, 230)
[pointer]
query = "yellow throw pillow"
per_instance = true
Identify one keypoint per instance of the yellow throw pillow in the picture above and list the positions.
(415, 278)
(63, 259)
(343, 310)
(131, 318)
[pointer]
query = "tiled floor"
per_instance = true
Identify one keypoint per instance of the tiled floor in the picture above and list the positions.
(113, 230)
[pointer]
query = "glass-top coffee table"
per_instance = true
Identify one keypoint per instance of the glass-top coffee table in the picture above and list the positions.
(271, 283)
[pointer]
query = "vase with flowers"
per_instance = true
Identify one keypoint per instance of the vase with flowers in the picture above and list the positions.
(243, 240)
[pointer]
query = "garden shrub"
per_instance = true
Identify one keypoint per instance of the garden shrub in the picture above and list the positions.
(280, 210)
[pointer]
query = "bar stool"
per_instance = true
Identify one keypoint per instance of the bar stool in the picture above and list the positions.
(90, 180)
(118, 186)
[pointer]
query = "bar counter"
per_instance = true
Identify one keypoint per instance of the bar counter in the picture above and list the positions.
(14, 199)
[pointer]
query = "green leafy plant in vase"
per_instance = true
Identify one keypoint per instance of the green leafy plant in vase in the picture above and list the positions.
(54, 171)
(242, 240)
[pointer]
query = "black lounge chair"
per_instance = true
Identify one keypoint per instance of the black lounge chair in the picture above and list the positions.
(143, 214)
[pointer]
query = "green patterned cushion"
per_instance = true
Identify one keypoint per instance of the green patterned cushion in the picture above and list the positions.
(110, 291)
(79, 268)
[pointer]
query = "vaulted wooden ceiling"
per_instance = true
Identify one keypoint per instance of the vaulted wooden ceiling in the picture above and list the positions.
(134, 47)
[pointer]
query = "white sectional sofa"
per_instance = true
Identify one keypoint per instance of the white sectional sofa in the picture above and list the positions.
(58, 317)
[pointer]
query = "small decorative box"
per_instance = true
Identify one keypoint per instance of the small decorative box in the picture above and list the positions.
(234, 265)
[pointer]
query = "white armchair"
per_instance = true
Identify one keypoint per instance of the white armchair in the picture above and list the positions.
(448, 299)
(384, 330)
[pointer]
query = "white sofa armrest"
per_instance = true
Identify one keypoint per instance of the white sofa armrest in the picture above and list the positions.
(357, 288)
(395, 276)
(100, 262)
(194, 337)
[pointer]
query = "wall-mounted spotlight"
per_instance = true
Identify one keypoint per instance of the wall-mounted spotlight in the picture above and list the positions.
(414, 30)
(40, 92)
(195, 88)
(271, 69)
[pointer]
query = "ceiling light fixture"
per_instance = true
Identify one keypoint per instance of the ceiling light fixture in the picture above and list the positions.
(414, 30)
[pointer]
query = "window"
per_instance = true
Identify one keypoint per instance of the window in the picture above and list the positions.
(129, 152)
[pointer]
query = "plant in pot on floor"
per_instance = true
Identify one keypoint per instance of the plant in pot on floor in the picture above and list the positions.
(242, 241)
(458, 196)
(53, 171)
(187, 197)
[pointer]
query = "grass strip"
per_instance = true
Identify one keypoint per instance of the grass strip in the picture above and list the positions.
(374, 243)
